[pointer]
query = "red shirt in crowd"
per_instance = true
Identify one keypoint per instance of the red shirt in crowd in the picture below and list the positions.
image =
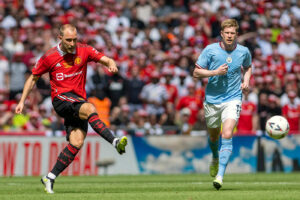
(292, 114)
(193, 104)
(67, 70)
(245, 125)
(172, 92)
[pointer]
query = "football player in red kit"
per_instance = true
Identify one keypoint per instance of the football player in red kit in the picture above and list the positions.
(66, 64)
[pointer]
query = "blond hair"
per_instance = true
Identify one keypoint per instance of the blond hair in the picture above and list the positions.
(230, 23)
(64, 27)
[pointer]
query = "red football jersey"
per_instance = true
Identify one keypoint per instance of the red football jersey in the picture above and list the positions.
(172, 91)
(67, 70)
(193, 104)
(245, 125)
(292, 114)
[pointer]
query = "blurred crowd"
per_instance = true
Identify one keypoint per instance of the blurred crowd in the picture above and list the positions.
(155, 45)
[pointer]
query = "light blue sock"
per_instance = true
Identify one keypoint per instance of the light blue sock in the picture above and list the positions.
(214, 146)
(225, 153)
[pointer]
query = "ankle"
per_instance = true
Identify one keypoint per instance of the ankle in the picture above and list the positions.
(115, 141)
(51, 175)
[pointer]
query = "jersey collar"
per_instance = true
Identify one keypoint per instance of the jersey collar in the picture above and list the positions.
(225, 49)
(61, 52)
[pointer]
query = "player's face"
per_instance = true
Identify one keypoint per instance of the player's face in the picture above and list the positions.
(69, 40)
(229, 35)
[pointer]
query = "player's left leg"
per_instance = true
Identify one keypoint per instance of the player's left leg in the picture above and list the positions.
(225, 151)
(230, 116)
(87, 111)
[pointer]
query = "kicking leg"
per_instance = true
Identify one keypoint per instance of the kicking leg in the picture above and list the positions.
(88, 112)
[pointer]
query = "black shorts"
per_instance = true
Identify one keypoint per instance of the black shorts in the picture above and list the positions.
(67, 106)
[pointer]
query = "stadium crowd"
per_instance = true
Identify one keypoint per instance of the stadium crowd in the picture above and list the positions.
(155, 45)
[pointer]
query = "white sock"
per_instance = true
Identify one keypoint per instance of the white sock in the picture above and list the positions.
(51, 175)
(115, 142)
(219, 178)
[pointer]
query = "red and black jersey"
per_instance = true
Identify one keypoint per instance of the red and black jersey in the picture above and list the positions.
(67, 70)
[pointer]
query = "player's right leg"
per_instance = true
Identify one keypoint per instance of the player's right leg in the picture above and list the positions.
(76, 138)
(213, 122)
(213, 141)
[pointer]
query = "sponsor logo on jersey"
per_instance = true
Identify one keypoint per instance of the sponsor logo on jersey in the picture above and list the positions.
(58, 65)
(59, 76)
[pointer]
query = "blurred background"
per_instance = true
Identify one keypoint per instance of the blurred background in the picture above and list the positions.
(155, 45)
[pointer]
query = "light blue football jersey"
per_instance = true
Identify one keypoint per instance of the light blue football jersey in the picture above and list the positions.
(227, 87)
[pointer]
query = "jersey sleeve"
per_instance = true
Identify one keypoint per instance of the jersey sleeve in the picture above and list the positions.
(247, 60)
(40, 67)
(93, 54)
(203, 59)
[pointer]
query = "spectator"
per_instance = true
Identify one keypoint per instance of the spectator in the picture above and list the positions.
(4, 71)
(291, 112)
(200, 127)
(192, 102)
(13, 44)
(262, 110)
(288, 48)
(264, 42)
(116, 88)
(183, 121)
(171, 89)
(248, 121)
(154, 95)
(17, 75)
(274, 106)
(118, 20)
(102, 104)
(133, 88)
(34, 123)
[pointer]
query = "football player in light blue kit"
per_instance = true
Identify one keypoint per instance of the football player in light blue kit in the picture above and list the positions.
(223, 63)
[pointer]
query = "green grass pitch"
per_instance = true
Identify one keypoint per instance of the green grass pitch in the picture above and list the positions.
(167, 187)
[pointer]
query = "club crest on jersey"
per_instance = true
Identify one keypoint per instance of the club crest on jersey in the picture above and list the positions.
(229, 59)
(77, 61)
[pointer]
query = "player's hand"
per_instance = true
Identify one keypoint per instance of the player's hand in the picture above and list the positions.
(19, 108)
(222, 70)
(245, 87)
(113, 69)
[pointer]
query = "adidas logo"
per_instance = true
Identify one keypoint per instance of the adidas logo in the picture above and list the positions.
(57, 65)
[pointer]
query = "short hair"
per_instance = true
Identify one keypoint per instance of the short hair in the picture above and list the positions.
(230, 23)
(64, 27)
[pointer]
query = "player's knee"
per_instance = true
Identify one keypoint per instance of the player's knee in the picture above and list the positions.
(86, 110)
(227, 134)
(90, 108)
(78, 143)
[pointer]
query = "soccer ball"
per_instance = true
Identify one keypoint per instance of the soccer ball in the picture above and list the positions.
(277, 127)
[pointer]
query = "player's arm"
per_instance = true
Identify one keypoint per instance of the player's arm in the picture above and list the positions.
(247, 76)
(109, 63)
(29, 84)
(200, 72)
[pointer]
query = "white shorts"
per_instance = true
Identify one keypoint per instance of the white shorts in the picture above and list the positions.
(215, 114)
